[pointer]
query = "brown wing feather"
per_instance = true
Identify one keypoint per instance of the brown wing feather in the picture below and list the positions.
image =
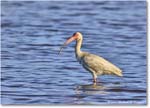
(100, 65)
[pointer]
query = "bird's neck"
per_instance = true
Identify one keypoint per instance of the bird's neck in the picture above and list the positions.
(78, 49)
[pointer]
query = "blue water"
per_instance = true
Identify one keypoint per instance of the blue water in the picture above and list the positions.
(34, 73)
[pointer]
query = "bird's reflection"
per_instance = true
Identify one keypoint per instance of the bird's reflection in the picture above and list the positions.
(91, 89)
(98, 89)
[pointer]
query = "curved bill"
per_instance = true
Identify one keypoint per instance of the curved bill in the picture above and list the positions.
(67, 42)
(61, 48)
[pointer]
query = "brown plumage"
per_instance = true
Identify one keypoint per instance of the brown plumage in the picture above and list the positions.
(96, 65)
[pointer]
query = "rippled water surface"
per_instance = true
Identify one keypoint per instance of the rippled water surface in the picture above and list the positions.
(34, 73)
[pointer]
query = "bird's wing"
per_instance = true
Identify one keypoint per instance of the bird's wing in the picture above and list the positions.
(100, 65)
(92, 63)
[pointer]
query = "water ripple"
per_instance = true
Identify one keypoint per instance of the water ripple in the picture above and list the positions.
(34, 73)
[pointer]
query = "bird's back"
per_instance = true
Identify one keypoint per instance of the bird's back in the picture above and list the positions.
(100, 65)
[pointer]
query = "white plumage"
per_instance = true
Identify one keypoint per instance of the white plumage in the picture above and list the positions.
(96, 65)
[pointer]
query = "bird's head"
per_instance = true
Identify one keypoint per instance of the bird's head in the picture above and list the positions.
(76, 36)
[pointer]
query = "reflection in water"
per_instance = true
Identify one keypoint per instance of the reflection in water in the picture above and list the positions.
(98, 92)
(91, 89)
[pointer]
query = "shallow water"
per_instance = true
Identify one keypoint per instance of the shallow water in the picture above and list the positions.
(34, 73)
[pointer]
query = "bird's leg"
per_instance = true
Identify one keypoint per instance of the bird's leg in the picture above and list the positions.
(94, 78)
(94, 82)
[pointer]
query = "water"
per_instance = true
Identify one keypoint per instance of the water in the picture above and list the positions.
(34, 73)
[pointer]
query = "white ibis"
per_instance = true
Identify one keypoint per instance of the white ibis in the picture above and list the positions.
(96, 65)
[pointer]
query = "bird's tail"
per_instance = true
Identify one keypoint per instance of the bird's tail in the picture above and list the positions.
(118, 72)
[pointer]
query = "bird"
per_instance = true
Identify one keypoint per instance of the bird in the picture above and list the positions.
(95, 64)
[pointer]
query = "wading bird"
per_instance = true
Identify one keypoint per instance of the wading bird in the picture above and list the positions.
(96, 65)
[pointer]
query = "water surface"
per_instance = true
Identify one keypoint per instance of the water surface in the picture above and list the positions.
(34, 73)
